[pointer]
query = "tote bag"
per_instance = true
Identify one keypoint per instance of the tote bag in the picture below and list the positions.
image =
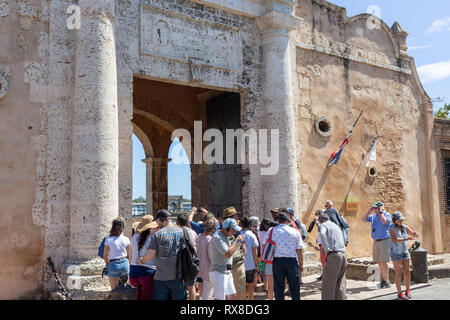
(269, 249)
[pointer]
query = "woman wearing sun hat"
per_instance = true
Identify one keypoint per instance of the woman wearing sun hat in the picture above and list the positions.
(141, 276)
(399, 252)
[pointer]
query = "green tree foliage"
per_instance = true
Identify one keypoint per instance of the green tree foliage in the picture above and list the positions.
(140, 199)
(443, 112)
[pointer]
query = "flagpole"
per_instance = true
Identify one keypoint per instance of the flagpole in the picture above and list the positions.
(346, 140)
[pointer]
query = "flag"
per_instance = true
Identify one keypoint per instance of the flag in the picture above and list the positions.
(337, 155)
(372, 153)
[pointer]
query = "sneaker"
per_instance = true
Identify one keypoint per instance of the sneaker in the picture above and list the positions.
(384, 285)
(402, 296)
(408, 294)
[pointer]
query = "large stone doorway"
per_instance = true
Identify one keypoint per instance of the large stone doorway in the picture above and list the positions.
(159, 108)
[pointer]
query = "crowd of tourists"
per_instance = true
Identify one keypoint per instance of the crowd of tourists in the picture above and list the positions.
(235, 252)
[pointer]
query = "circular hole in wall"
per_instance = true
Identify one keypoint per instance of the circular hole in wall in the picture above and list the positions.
(373, 171)
(324, 126)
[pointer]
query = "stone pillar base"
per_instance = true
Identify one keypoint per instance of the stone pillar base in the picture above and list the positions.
(83, 280)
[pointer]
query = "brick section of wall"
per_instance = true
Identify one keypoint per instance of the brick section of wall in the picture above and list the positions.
(390, 186)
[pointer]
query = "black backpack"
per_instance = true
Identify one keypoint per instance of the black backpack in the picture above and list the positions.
(188, 263)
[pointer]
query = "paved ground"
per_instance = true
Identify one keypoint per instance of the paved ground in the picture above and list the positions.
(438, 289)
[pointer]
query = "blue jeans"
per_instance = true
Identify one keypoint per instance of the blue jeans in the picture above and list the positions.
(286, 268)
(162, 289)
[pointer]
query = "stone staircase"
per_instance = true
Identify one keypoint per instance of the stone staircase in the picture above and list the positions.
(311, 264)
(83, 280)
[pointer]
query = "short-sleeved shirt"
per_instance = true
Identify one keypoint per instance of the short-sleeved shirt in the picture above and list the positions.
(136, 253)
(203, 252)
(117, 246)
(238, 257)
(380, 230)
(194, 235)
(219, 246)
(250, 242)
(166, 243)
(287, 241)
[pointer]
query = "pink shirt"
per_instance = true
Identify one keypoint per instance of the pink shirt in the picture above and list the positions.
(203, 252)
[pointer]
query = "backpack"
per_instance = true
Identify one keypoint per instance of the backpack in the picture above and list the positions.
(268, 249)
(101, 248)
(188, 263)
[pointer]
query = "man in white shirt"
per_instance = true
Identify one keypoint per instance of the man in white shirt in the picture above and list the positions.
(288, 258)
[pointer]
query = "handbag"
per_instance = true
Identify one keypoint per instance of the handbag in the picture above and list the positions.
(269, 249)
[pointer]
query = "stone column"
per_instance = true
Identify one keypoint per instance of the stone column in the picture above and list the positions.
(159, 183)
(94, 176)
(279, 189)
(432, 181)
(149, 185)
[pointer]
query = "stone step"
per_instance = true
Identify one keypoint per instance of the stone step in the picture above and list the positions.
(73, 282)
(312, 268)
(310, 257)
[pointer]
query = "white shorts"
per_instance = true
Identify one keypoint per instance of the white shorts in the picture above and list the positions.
(222, 284)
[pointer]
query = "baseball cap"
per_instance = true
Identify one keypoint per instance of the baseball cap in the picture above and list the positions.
(378, 204)
(290, 210)
(397, 215)
(162, 214)
(231, 223)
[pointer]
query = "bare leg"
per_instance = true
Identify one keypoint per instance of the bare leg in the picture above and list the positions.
(200, 289)
(270, 287)
(113, 282)
(384, 269)
(191, 293)
(406, 273)
(250, 291)
(398, 275)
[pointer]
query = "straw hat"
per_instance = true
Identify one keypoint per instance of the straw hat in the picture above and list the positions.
(146, 223)
(229, 212)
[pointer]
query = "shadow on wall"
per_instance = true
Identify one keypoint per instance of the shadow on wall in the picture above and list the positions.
(319, 188)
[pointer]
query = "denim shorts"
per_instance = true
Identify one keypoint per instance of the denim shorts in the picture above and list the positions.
(400, 256)
(119, 267)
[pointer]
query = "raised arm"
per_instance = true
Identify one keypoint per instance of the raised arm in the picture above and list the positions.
(411, 232)
(364, 218)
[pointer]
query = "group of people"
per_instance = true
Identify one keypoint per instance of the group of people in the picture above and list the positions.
(236, 252)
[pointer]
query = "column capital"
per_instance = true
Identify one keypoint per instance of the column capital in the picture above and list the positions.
(97, 8)
(275, 20)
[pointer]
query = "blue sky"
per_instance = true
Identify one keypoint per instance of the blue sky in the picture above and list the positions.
(428, 25)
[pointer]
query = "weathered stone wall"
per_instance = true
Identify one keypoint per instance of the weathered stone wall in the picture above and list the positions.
(442, 138)
(344, 67)
(24, 42)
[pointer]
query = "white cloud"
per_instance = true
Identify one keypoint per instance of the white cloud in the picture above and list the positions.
(439, 25)
(412, 48)
(434, 72)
